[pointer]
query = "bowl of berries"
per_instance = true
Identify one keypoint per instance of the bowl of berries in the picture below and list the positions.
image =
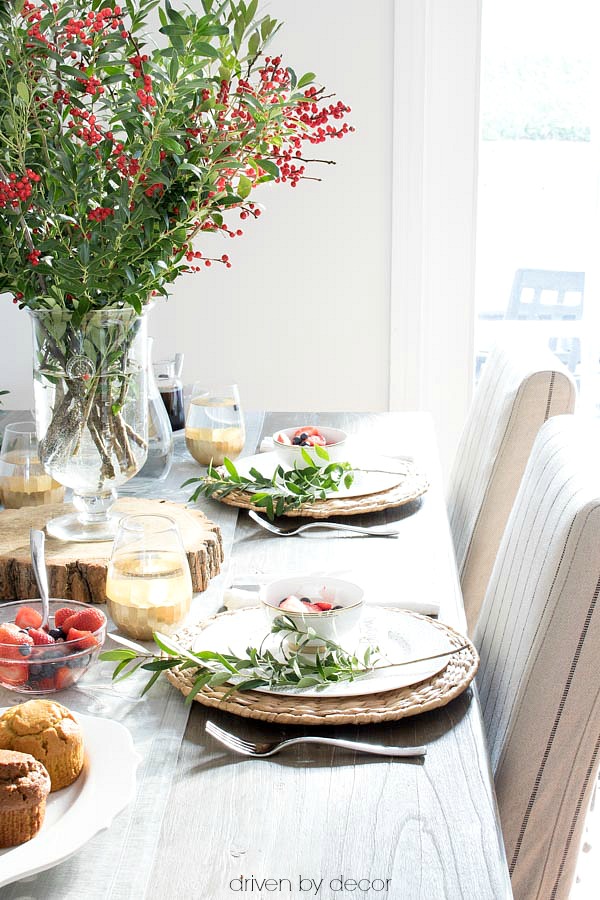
(41, 661)
(289, 443)
(331, 607)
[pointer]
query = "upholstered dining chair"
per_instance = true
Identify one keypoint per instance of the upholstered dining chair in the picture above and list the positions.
(538, 636)
(522, 385)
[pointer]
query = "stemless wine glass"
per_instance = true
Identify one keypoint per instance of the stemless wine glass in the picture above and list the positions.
(214, 427)
(148, 583)
(23, 480)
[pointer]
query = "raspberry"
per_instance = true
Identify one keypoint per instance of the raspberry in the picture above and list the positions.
(61, 614)
(40, 638)
(28, 617)
(85, 639)
(86, 620)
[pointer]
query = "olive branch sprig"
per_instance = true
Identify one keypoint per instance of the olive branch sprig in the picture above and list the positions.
(260, 667)
(284, 490)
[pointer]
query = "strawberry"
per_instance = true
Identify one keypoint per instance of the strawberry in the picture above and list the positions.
(64, 678)
(61, 614)
(28, 617)
(323, 605)
(40, 638)
(86, 620)
(16, 643)
(85, 639)
(46, 684)
(14, 673)
(308, 431)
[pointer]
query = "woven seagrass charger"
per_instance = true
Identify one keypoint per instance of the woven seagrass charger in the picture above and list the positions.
(433, 692)
(412, 486)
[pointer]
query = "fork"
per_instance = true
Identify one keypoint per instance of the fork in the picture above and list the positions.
(336, 526)
(269, 748)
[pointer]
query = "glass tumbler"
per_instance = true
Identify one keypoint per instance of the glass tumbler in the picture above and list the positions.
(23, 480)
(214, 426)
(148, 583)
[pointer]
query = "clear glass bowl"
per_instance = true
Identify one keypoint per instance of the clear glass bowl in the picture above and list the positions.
(47, 668)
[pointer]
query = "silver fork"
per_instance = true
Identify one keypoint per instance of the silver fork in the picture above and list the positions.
(288, 532)
(269, 748)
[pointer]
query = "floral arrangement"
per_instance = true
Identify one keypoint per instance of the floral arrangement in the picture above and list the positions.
(116, 155)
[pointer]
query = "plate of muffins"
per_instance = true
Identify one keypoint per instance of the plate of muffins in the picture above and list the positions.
(63, 778)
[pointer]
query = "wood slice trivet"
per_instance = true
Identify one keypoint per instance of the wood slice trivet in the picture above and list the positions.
(412, 486)
(78, 571)
(430, 694)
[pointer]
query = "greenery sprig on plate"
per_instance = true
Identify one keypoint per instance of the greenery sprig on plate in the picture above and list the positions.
(260, 667)
(285, 489)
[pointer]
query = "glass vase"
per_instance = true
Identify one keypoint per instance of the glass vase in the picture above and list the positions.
(91, 403)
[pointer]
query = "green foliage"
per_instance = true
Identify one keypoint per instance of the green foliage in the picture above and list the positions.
(260, 667)
(128, 151)
(286, 489)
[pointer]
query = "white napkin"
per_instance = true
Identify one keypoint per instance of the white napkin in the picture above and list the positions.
(266, 445)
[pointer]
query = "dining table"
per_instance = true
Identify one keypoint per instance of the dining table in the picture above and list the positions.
(315, 820)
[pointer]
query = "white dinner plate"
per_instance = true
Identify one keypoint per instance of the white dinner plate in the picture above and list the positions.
(384, 473)
(75, 814)
(400, 635)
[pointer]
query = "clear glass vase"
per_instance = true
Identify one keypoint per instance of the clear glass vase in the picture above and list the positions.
(91, 410)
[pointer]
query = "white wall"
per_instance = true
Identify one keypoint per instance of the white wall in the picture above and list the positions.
(301, 320)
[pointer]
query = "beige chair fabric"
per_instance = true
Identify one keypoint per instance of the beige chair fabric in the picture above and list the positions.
(520, 388)
(539, 639)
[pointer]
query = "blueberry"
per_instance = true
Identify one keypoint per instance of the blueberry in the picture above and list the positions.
(35, 670)
(303, 436)
(47, 671)
(24, 649)
(305, 600)
(296, 441)
(56, 633)
(337, 607)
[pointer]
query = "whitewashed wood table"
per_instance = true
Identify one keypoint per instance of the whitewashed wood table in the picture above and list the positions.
(426, 829)
(314, 821)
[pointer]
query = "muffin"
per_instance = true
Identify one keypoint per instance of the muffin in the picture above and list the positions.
(24, 786)
(49, 732)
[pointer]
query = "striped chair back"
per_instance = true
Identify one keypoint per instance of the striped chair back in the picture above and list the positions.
(521, 387)
(538, 635)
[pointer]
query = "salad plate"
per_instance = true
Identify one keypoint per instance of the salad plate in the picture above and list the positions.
(78, 812)
(378, 473)
(400, 636)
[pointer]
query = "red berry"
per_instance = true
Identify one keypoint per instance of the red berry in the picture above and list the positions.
(12, 639)
(46, 684)
(85, 620)
(28, 617)
(40, 638)
(323, 605)
(85, 639)
(61, 614)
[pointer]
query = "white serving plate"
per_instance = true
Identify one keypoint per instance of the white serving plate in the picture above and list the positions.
(385, 473)
(78, 812)
(399, 634)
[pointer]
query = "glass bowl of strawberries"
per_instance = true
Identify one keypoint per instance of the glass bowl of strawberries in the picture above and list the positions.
(36, 661)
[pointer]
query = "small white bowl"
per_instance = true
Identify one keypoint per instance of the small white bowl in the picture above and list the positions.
(288, 454)
(335, 624)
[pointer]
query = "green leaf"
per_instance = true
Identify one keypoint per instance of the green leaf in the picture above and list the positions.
(244, 186)
(270, 167)
(306, 79)
(23, 91)
(203, 48)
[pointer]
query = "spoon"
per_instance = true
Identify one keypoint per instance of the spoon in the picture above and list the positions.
(37, 540)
